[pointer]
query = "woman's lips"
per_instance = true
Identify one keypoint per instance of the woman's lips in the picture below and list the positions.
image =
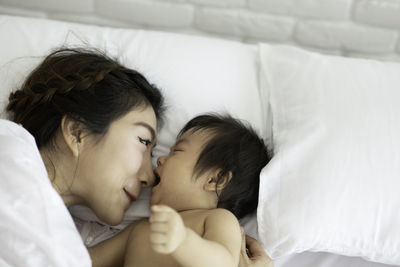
(130, 196)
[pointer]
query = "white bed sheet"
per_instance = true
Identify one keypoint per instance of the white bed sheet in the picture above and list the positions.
(322, 259)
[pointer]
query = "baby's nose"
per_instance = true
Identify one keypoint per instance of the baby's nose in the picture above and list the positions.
(161, 160)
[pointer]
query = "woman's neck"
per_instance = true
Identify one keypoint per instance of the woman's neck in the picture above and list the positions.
(61, 172)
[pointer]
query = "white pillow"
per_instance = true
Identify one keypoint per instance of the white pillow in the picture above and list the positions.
(334, 182)
(195, 74)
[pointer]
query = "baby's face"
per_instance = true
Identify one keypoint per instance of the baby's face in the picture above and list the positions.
(178, 187)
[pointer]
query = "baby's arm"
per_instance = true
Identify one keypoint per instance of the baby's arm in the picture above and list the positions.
(111, 252)
(219, 246)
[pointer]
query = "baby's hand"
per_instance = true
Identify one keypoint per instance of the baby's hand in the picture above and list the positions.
(167, 230)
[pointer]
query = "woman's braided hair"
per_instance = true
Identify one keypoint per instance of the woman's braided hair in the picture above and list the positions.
(84, 84)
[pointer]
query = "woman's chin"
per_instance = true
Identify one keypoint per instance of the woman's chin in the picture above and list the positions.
(113, 220)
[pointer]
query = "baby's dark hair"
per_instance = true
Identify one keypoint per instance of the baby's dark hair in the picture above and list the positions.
(84, 84)
(233, 147)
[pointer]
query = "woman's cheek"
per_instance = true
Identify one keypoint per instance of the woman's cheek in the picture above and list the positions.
(137, 156)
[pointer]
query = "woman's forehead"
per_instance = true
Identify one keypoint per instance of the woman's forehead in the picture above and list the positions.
(146, 117)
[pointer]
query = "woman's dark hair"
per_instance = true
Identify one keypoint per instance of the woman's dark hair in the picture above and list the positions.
(84, 84)
(233, 147)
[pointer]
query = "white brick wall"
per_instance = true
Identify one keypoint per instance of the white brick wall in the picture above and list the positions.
(318, 9)
(346, 36)
(147, 12)
(220, 3)
(79, 6)
(384, 13)
(244, 24)
(359, 28)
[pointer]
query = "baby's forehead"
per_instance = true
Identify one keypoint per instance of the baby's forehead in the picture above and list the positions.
(195, 136)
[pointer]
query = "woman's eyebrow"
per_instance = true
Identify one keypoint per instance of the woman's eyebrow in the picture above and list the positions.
(152, 131)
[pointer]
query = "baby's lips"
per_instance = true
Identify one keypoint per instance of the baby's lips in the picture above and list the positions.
(157, 179)
(156, 176)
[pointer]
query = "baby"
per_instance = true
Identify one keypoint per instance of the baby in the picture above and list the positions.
(208, 181)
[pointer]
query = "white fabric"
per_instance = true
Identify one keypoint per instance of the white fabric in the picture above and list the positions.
(36, 228)
(333, 184)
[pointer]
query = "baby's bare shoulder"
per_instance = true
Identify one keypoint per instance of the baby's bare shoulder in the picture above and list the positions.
(221, 220)
(221, 214)
(207, 213)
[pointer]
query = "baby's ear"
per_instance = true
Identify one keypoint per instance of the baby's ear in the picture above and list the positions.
(217, 180)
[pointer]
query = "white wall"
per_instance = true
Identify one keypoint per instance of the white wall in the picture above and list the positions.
(361, 28)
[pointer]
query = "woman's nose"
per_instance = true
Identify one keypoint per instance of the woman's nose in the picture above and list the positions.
(146, 175)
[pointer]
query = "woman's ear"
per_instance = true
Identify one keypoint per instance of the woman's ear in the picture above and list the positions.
(212, 180)
(72, 133)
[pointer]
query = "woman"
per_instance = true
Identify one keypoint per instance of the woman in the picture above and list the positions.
(94, 123)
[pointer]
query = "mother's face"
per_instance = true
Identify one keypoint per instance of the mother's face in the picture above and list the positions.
(112, 171)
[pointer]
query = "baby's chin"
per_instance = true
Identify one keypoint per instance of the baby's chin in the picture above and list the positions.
(153, 201)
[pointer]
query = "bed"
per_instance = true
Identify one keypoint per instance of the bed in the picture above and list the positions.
(330, 196)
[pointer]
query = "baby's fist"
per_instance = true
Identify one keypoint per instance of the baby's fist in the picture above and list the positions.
(167, 231)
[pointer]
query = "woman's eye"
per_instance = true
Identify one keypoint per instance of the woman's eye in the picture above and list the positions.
(145, 142)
